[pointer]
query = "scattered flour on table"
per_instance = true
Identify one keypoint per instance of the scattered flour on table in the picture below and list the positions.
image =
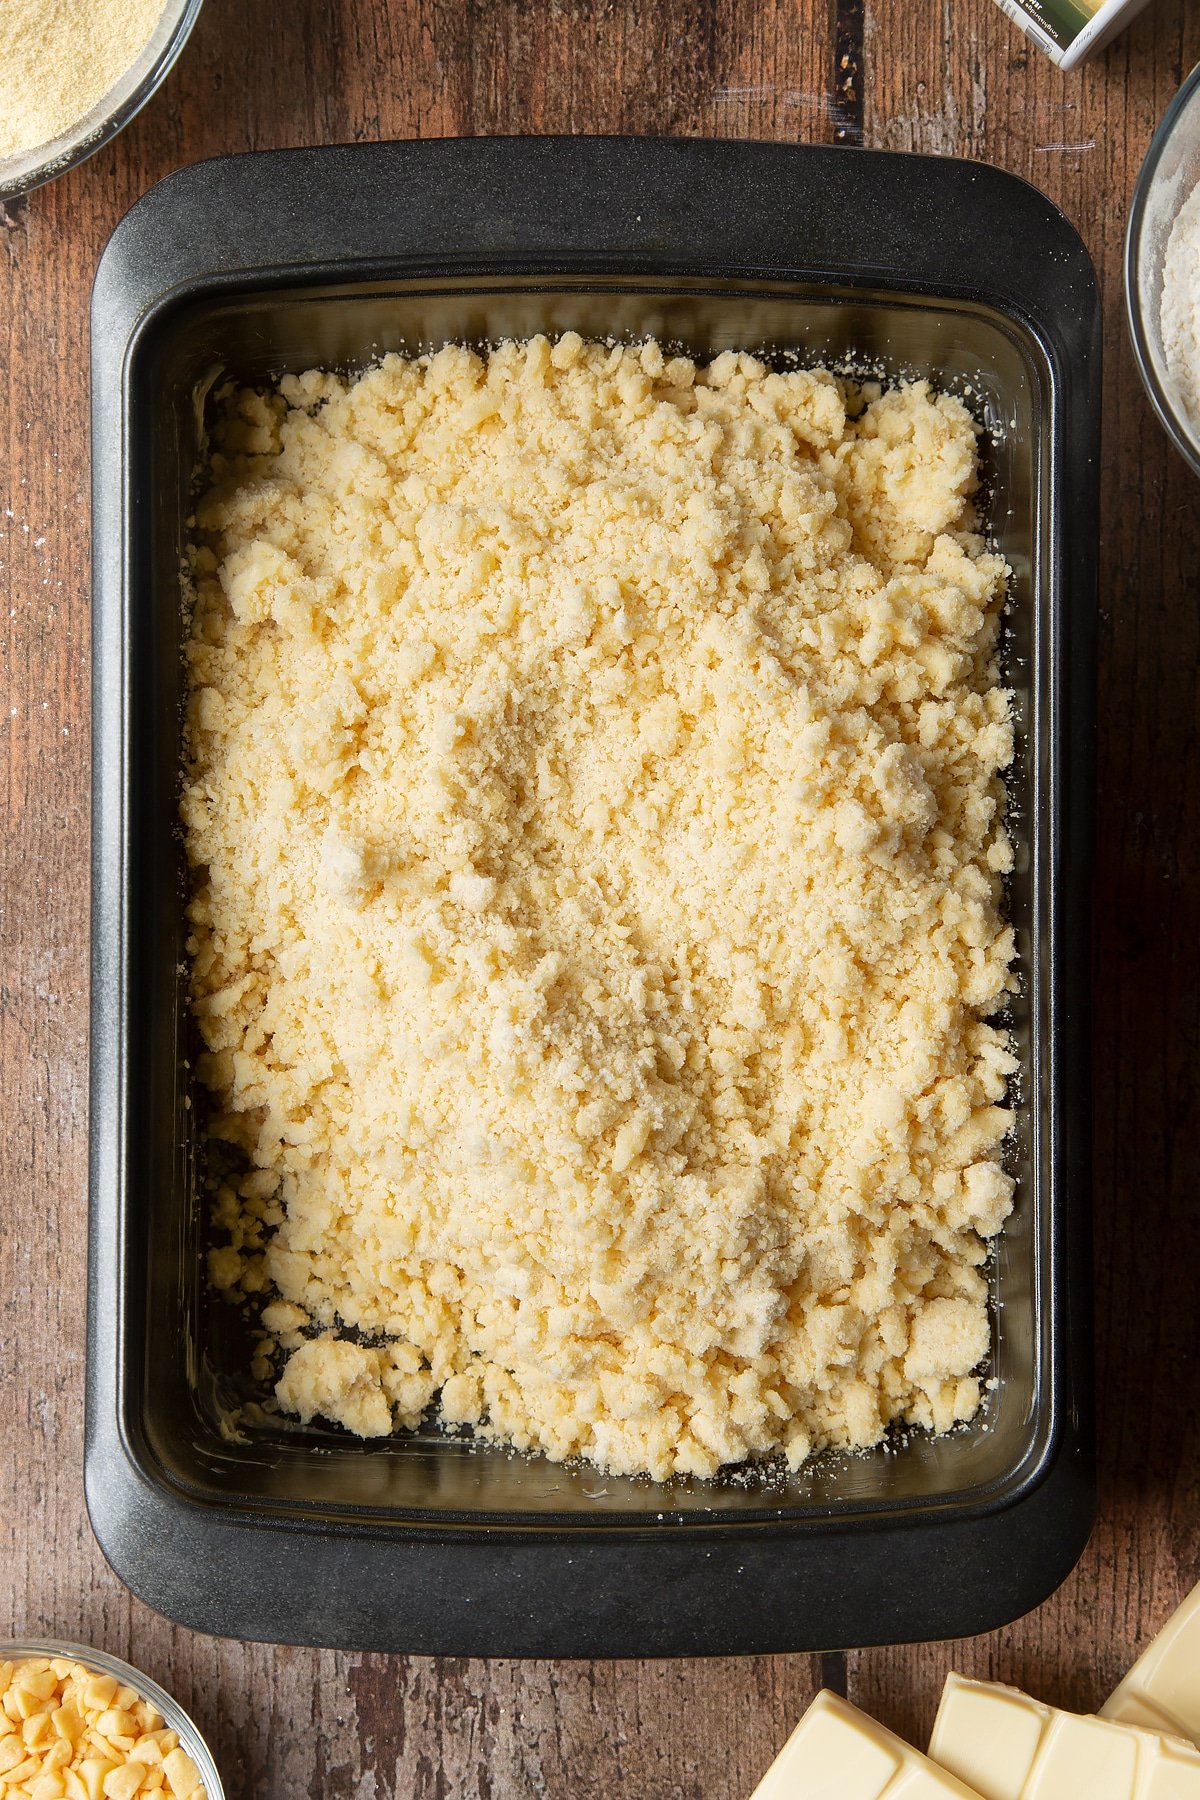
(58, 60)
(593, 791)
(1181, 305)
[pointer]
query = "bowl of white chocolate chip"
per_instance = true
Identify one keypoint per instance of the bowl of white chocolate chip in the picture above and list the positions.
(78, 1724)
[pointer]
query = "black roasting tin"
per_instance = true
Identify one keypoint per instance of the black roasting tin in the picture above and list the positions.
(252, 266)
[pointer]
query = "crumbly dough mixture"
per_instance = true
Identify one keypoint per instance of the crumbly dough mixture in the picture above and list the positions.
(58, 60)
(593, 792)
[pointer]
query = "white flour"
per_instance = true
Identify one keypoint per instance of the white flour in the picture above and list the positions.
(1181, 305)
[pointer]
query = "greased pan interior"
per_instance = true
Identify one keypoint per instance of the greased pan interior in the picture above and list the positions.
(254, 266)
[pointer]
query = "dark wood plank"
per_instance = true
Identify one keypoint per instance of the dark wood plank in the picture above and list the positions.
(288, 1723)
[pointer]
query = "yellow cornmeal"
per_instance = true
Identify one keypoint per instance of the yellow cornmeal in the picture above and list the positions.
(60, 58)
(593, 792)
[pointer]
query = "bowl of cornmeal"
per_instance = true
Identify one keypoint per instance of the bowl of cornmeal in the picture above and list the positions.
(1162, 271)
(75, 73)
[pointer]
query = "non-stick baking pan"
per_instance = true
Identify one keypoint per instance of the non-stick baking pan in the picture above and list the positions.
(234, 1522)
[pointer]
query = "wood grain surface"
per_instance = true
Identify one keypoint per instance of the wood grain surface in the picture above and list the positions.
(948, 76)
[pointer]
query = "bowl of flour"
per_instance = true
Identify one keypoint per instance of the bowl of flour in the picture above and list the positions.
(75, 73)
(1162, 270)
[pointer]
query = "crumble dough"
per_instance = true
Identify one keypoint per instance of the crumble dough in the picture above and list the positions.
(593, 794)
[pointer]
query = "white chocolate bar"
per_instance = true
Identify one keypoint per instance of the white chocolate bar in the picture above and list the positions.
(1162, 1690)
(838, 1753)
(1009, 1747)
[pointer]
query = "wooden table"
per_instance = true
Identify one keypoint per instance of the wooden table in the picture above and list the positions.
(953, 77)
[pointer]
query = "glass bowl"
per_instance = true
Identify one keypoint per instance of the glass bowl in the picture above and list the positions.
(144, 76)
(104, 1664)
(1168, 177)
